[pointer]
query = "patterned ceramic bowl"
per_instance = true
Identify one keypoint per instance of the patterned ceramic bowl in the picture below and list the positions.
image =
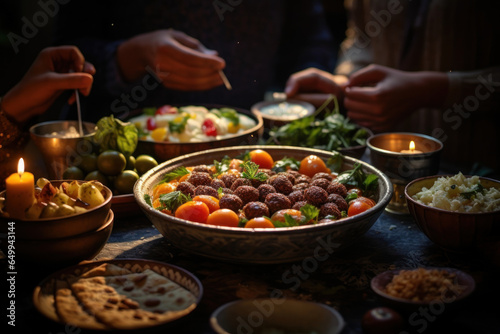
(244, 245)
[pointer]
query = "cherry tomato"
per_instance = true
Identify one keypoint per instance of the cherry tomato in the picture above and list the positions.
(235, 164)
(262, 158)
(259, 222)
(164, 188)
(151, 124)
(210, 201)
(356, 207)
(194, 211)
(208, 128)
(366, 200)
(356, 191)
(166, 109)
(280, 215)
(223, 217)
(382, 320)
(313, 164)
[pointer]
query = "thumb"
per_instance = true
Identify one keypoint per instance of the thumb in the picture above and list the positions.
(365, 77)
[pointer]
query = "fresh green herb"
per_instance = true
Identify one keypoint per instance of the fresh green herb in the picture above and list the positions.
(332, 132)
(173, 200)
(175, 174)
(178, 125)
(114, 134)
(147, 198)
(285, 164)
(356, 177)
(335, 162)
(251, 171)
(222, 166)
(310, 212)
(351, 196)
(478, 188)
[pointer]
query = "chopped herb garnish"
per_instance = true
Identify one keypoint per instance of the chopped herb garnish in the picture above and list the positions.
(179, 124)
(310, 212)
(478, 188)
(356, 177)
(222, 166)
(147, 198)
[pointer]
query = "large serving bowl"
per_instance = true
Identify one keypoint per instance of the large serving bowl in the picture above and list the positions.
(58, 153)
(455, 231)
(243, 245)
(60, 227)
(163, 151)
(64, 250)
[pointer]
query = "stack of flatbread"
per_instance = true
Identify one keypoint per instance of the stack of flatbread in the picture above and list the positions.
(112, 297)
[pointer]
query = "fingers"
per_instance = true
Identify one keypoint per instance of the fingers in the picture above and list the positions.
(367, 76)
(363, 94)
(311, 80)
(175, 81)
(81, 81)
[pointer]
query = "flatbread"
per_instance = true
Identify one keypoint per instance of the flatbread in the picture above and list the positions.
(110, 297)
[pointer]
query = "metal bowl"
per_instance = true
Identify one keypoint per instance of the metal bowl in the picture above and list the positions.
(163, 151)
(243, 245)
(271, 120)
(59, 153)
(60, 227)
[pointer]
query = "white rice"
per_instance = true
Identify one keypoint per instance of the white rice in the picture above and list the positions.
(447, 194)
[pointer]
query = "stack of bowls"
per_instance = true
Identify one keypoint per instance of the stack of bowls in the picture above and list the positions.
(60, 240)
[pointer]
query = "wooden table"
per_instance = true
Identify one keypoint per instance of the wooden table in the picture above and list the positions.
(341, 281)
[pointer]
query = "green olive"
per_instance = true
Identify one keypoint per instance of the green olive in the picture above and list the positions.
(143, 163)
(124, 183)
(88, 163)
(111, 162)
(130, 163)
(73, 173)
(97, 175)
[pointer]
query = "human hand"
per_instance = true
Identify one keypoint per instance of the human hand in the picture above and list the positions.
(315, 80)
(377, 97)
(180, 61)
(46, 79)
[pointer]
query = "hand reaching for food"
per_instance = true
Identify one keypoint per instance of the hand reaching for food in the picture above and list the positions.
(181, 62)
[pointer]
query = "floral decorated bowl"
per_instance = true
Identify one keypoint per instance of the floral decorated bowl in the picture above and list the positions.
(258, 245)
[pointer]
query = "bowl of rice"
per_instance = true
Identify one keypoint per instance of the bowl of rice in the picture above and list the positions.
(457, 212)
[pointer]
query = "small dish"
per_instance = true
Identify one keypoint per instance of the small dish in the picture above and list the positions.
(44, 301)
(276, 315)
(462, 281)
(278, 113)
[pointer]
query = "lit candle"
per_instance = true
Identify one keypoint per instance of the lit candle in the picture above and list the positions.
(20, 192)
(412, 149)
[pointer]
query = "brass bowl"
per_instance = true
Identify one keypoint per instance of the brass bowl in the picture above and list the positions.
(163, 151)
(59, 153)
(60, 227)
(271, 120)
(65, 250)
(244, 245)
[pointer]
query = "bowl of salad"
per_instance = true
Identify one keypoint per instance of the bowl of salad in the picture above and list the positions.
(263, 204)
(169, 131)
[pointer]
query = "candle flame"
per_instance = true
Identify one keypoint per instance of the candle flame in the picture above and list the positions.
(20, 167)
(412, 146)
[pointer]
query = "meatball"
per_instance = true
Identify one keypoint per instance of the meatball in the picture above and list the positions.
(186, 188)
(281, 183)
(322, 175)
(256, 183)
(264, 190)
(202, 168)
(329, 210)
(227, 191)
(206, 190)
(199, 179)
(337, 188)
(269, 172)
(231, 202)
(299, 205)
(339, 201)
(240, 182)
(322, 183)
(315, 195)
(302, 179)
(255, 209)
(228, 179)
(277, 201)
(296, 196)
(217, 183)
(301, 186)
(247, 194)
(289, 176)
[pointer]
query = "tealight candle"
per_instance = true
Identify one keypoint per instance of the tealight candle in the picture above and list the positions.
(20, 192)
(411, 149)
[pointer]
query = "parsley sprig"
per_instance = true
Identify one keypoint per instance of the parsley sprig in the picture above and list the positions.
(171, 201)
(251, 171)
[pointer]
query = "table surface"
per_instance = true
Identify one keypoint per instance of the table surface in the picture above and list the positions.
(342, 281)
